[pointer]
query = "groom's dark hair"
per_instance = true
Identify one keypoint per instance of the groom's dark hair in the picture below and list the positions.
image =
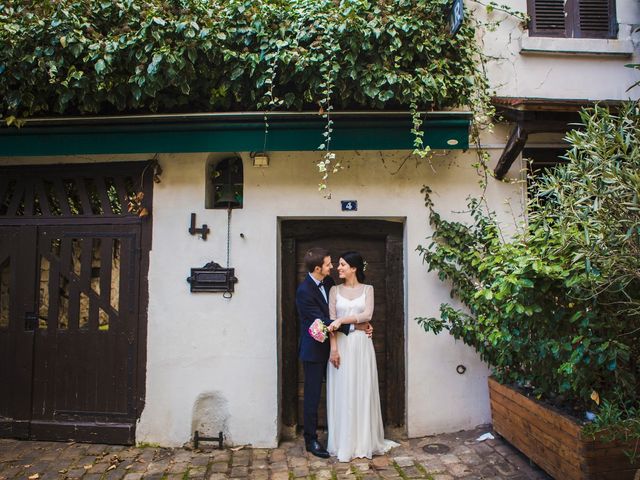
(315, 258)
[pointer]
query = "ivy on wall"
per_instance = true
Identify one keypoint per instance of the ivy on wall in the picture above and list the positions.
(69, 57)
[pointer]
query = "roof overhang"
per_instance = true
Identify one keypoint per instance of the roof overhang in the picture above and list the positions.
(537, 115)
(229, 132)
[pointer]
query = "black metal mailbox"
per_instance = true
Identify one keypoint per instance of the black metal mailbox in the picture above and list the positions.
(212, 278)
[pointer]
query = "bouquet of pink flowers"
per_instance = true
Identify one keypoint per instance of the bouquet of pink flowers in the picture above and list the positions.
(318, 331)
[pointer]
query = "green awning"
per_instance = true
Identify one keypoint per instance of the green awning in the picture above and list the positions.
(229, 132)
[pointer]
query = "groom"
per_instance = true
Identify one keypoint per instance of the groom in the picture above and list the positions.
(312, 301)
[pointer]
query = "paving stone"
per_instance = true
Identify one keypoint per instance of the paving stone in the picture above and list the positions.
(470, 458)
(215, 476)
(449, 458)
(300, 471)
(482, 448)
(280, 475)
(260, 453)
(180, 467)
(218, 468)
(403, 461)
(198, 472)
(380, 462)
(459, 470)
(298, 461)
(323, 474)
(519, 461)
(278, 455)
(412, 472)
(362, 467)
(442, 476)
(258, 465)
(342, 467)
(505, 468)
(259, 475)
(133, 476)
(154, 476)
(200, 460)
(389, 474)
(239, 472)
(346, 476)
(279, 467)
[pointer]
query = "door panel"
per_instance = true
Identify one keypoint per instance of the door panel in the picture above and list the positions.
(85, 346)
(16, 334)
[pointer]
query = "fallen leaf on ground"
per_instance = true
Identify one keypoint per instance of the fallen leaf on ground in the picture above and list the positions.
(35, 476)
(111, 467)
(88, 467)
(128, 467)
(235, 449)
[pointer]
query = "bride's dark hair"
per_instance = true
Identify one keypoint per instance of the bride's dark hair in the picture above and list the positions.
(354, 259)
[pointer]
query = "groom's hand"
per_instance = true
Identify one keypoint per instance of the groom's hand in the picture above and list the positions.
(366, 328)
(334, 358)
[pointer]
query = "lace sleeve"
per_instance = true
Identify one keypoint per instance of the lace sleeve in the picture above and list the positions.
(368, 306)
(332, 302)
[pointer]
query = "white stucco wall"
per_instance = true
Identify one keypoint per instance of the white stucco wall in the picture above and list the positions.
(557, 68)
(218, 359)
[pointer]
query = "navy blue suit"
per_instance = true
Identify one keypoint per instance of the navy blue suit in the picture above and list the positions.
(314, 355)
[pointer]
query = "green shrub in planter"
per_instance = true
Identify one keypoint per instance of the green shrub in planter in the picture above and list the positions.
(556, 309)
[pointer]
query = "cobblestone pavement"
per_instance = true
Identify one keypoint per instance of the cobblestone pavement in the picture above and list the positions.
(454, 456)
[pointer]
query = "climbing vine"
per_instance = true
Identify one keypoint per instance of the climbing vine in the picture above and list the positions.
(71, 57)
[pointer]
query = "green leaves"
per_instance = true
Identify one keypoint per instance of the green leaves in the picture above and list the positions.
(377, 54)
(557, 307)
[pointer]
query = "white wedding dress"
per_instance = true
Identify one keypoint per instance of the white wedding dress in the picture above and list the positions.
(353, 400)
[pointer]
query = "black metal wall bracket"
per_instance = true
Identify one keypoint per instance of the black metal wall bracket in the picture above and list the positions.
(203, 231)
(197, 439)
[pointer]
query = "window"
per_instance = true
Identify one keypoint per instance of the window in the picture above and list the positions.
(572, 18)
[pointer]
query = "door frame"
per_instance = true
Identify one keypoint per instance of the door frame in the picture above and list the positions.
(291, 230)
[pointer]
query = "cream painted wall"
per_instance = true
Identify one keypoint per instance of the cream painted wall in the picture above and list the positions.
(532, 67)
(212, 363)
(215, 358)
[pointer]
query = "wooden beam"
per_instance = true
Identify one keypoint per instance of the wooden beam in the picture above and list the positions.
(515, 144)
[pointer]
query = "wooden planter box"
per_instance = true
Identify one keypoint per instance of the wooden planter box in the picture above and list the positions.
(554, 441)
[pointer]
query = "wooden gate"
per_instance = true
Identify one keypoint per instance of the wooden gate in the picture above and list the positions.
(72, 303)
(380, 243)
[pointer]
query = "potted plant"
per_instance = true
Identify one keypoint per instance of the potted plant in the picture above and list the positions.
(555, 310)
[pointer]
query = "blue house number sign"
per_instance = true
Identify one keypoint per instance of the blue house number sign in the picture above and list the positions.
(349, 205)
(456, 15)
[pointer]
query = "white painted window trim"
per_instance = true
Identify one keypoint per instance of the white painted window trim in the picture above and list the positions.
(575, 46)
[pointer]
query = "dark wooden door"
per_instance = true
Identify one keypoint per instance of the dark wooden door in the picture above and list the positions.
(73, 296)
(380, 243)
(70, 332)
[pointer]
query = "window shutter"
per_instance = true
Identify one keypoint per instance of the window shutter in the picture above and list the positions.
(547, 18)
(572, 18)
(596, 19)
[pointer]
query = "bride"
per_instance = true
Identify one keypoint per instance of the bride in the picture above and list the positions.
(353, 400)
